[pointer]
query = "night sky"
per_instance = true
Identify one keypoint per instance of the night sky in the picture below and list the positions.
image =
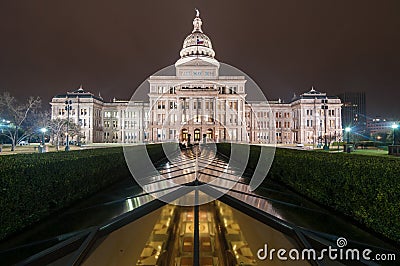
(49, 47)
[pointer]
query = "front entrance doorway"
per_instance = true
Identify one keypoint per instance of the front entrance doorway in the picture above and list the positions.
(197, 134)
(184, 134)
(210, 133)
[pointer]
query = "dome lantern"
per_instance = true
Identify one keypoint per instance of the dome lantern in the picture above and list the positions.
(197, 43)
(197, 22)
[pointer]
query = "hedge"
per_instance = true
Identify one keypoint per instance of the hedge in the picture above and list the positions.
(366, 188)
(34, 186)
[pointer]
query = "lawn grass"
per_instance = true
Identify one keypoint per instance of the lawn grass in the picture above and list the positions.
(369, 152)
(374, 152)
(32, 148)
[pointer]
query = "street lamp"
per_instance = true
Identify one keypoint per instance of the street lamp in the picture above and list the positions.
(394, 127)
(325, 107)
(68, 107)
(348, 129)
(43, 130)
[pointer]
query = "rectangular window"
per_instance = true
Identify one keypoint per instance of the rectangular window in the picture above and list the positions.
(161, 104)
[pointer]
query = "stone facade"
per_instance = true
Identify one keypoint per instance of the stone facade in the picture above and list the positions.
(198, 104)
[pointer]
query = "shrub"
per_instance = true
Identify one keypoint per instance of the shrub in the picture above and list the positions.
(366, 188)
(35, 185)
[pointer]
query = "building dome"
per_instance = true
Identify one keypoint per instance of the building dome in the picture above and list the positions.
(197, 43)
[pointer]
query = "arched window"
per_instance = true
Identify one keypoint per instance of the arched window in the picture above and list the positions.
(184, 134)
(197, 134)
(210, 133)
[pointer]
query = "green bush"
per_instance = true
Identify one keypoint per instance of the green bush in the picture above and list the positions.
(366, 188)
(36, 185)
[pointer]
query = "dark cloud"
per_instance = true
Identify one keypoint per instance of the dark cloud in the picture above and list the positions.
(48, 47)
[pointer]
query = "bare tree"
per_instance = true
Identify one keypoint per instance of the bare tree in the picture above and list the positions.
(20, 126)
(42, 119)
(75, 130)
(58, 129)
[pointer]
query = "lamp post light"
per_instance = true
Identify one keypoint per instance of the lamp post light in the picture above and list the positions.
(325, 108)
(68, 107)
(378, 139)
(348, 129)
(394, 127)
(43, 130)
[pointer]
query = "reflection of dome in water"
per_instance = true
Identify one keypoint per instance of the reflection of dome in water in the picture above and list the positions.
(197, 44)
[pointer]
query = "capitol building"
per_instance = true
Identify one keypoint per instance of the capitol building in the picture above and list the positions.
(197, 104)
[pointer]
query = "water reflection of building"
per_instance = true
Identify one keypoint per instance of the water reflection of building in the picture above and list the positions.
(221, 240)
(197, 103)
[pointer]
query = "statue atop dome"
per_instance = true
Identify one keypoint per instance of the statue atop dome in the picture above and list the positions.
(197, 22)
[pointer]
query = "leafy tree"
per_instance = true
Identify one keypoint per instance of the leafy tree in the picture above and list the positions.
(21, 116)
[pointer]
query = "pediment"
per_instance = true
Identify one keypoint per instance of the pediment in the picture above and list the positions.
(196, 62)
